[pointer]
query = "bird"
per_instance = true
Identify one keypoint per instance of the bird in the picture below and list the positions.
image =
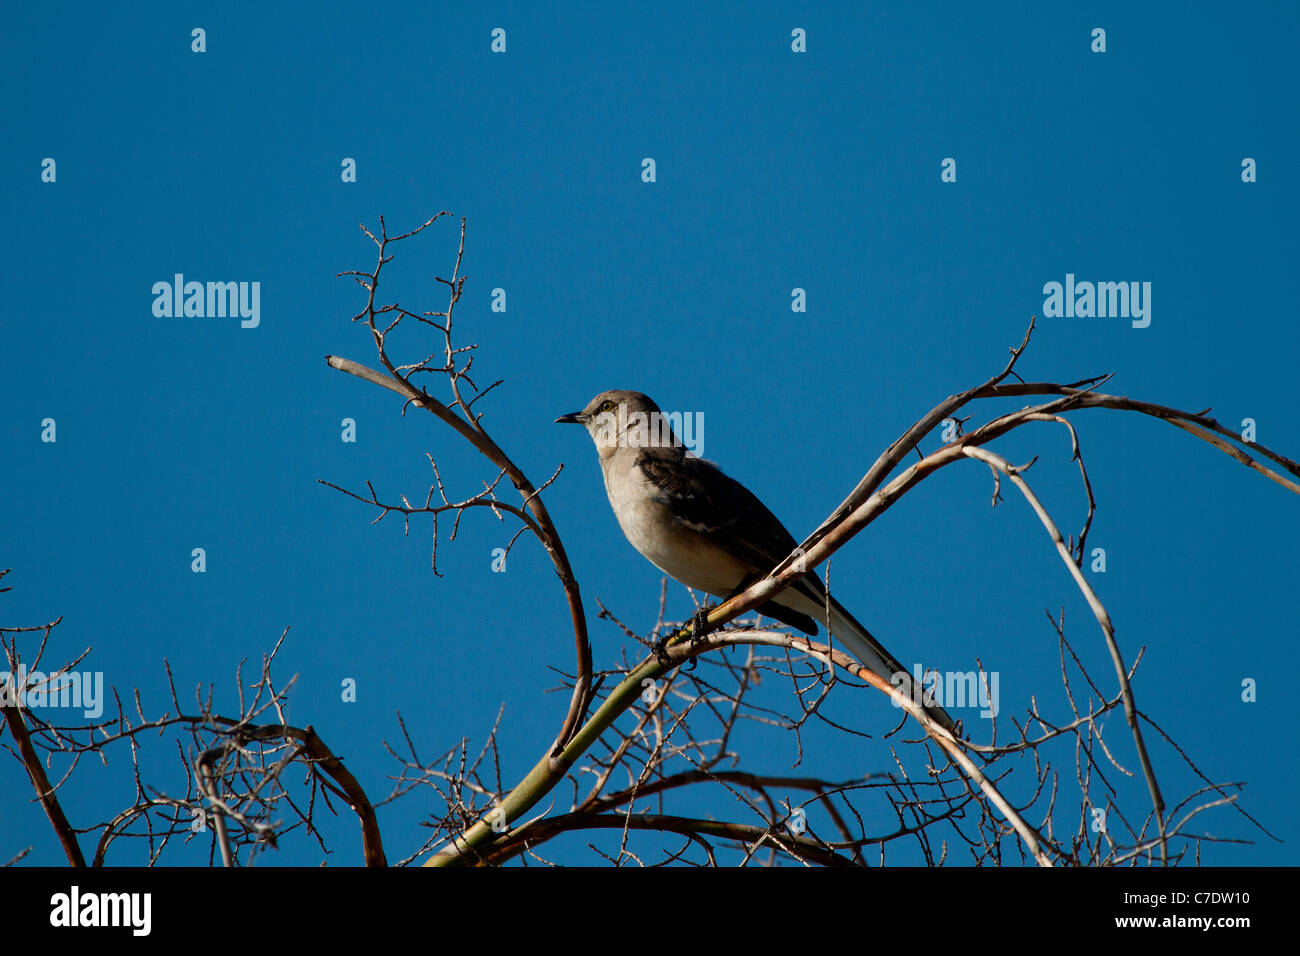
(708, 531)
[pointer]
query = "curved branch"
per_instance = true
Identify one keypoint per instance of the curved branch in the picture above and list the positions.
(1103, 620)
(802, 848)
(44, 792)
(321, 758)
(1195, 424)
(472, 431)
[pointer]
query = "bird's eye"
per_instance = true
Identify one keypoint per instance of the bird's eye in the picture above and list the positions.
(606, 406)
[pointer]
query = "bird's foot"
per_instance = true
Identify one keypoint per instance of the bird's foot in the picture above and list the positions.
(699, 627)
(661, 649)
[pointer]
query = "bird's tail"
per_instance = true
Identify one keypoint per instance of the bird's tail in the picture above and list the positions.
(862, 645)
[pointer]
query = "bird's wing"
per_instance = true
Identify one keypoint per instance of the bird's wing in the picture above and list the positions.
(705, 500)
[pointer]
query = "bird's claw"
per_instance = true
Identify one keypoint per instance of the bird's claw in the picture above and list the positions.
(699, 627)
(700, 623)
(661, 649)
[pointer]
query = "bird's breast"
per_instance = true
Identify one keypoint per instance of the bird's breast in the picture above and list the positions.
(650, 526)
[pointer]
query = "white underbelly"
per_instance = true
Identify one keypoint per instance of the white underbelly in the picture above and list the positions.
(682, 554)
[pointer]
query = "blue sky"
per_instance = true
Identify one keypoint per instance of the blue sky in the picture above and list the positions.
(775, 170)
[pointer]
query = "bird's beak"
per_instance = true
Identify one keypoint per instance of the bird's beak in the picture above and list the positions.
(573, 418)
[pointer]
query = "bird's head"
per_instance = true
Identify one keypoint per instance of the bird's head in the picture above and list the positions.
(621, 418)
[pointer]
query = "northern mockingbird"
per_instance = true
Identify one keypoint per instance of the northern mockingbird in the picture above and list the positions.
(707, 530)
